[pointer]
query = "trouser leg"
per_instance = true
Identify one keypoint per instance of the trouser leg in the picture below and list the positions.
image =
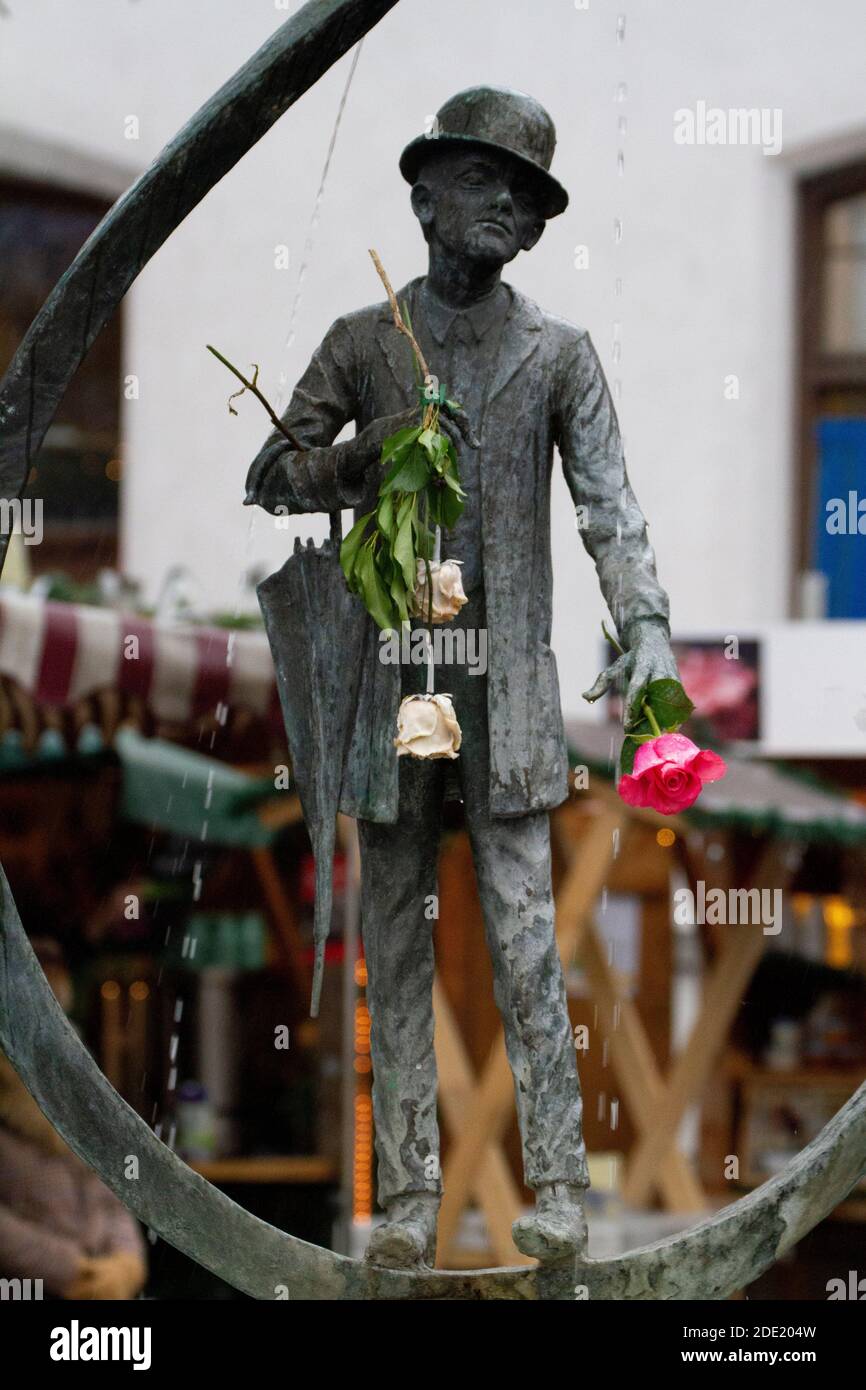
(398, 881)
(513, 869)
(512, 864)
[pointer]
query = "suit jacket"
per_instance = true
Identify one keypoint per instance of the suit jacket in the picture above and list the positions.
(547, 389)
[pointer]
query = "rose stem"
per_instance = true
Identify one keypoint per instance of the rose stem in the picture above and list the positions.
(653, 722)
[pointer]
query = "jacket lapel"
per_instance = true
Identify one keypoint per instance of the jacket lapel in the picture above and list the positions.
(520, 339)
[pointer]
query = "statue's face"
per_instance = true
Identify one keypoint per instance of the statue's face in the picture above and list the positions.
(478, 205)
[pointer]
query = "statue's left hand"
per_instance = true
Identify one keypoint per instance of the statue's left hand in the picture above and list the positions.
(648, 658)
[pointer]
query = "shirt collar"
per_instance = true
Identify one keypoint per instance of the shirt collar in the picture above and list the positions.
(481, 317)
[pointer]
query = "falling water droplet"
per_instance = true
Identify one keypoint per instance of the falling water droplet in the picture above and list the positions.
(617, 285)
(620, 163)
(621, 93)
(622, 127)
(620, 28)
(614, 1114)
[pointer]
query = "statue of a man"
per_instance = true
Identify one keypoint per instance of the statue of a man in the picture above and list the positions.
(527, 382)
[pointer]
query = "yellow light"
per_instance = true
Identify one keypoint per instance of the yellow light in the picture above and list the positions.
(665, 838)
(839, 918)
(110, 990)
(139, 990)
(838, 914)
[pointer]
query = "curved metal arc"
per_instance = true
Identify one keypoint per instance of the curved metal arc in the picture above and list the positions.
(209, 145)
(709, 1261)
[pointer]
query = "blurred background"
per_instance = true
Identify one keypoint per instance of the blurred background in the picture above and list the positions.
(715, 248)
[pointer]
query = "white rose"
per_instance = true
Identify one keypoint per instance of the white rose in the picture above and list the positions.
(427, 727)
(447, 586)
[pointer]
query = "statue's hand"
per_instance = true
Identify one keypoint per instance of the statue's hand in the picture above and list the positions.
(648, 657)
(260, 468)
(368, 444)
(454, 422)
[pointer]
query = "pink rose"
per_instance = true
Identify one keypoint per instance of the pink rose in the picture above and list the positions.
(669, 773)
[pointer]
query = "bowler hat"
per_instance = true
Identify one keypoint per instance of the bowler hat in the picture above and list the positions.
(495, 118)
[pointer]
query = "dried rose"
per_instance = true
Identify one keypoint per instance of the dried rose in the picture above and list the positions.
(446, 582)
(427, 727)
(669, 774)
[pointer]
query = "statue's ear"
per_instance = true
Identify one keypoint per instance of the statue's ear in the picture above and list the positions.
(533, 236)
(422, 203)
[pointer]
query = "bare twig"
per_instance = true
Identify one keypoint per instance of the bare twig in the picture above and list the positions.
(399, 322)
(250, 385)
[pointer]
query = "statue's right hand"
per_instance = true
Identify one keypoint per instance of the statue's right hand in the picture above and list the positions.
(260, 467)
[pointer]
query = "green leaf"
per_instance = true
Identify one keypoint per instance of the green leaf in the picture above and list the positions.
(385, 515)
(406, 504)
(669, 703)
(399, 595)
(351, 545)
(626, 757)
(396, 443)
(377, 600)
(404, 551)
(411, 476)
(450, 507)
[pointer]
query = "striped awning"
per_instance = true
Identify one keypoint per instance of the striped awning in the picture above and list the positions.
(61, 653)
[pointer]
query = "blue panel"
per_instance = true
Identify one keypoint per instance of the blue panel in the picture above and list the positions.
(842, 485)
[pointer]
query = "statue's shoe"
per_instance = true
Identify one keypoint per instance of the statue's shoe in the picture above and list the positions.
(406, 1238)
(556, 1230)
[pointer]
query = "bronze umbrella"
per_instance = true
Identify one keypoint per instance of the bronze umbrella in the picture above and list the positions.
(314, 637)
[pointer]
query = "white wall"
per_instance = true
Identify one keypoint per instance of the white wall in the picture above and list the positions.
(706, 257)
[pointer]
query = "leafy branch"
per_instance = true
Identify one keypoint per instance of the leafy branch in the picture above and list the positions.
(420, 490)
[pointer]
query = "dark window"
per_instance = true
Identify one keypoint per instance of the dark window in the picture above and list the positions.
(76, 473)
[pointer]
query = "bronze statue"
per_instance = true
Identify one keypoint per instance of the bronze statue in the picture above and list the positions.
(482, 191)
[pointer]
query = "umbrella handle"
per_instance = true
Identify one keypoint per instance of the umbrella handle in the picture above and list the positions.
(336, 527)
